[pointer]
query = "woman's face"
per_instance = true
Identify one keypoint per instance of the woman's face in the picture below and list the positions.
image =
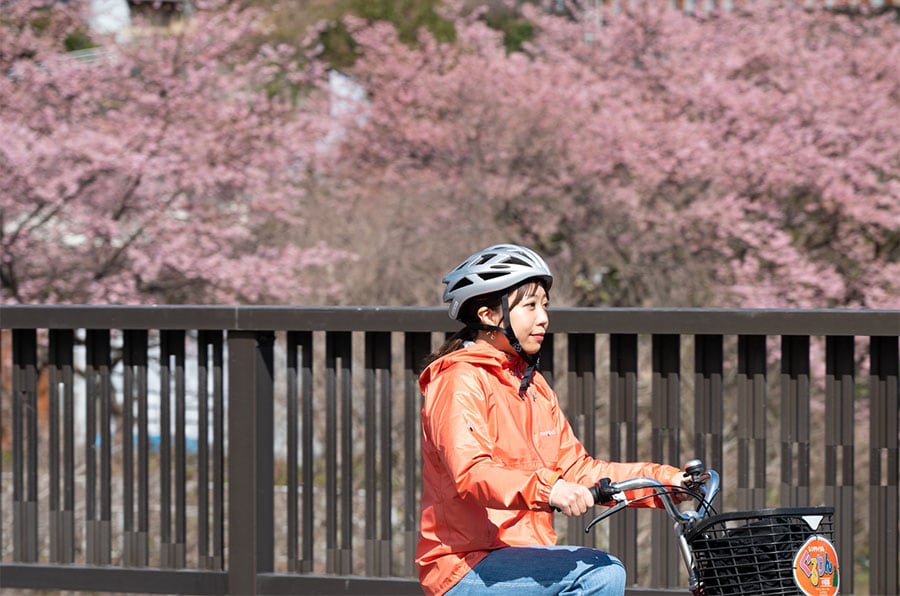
(529, 318)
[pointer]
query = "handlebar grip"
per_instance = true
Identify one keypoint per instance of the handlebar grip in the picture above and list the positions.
(603, 491)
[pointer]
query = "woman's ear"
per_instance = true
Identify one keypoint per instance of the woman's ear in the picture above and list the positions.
(486, 316)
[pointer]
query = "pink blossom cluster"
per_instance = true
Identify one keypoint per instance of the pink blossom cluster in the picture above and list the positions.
(744, 158)
(161, 169)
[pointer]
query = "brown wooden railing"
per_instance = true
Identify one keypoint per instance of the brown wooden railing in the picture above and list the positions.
(213, 450)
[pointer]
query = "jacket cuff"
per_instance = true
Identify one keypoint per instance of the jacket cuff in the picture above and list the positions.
(547, 478)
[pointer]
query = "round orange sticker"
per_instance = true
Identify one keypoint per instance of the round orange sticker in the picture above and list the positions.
(816, 567)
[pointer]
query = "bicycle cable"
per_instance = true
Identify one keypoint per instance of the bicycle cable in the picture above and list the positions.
(670, 489)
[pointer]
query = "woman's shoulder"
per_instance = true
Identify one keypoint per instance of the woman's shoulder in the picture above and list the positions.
(472, 359)
(473, 354)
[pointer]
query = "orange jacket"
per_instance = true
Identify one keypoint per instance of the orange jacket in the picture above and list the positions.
(490, 458)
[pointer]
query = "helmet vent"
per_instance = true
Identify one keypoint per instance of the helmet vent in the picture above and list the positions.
(463, 282)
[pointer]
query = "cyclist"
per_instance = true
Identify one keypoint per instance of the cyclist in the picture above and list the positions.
(498, 453)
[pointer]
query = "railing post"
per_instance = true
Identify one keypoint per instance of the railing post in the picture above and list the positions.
(250, 458)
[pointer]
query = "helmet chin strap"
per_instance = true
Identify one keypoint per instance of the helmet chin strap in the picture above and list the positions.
(531, 359)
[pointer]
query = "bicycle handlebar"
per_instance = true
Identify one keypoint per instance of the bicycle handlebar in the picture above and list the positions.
(704, 482)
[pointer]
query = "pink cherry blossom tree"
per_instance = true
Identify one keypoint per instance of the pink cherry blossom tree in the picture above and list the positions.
(747, 158)
(167, 168)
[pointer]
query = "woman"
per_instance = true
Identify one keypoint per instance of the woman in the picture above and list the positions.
(498, 453)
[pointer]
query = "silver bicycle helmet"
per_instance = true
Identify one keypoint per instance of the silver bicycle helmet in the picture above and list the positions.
(491, 270)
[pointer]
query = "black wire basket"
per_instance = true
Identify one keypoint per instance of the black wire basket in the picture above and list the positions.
(752, 552)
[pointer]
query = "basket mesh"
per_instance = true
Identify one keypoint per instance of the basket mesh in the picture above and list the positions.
(752, 552)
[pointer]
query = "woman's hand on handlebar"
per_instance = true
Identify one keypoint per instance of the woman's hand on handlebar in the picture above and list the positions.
(571, 498)
(680, 479)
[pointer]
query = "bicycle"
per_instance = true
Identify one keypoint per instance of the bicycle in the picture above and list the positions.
(763, 552)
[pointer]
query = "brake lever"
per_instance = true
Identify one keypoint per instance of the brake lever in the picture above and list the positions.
(619, 505)
(604, 492)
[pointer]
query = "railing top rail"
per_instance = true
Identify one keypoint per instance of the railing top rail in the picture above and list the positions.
(682, 321)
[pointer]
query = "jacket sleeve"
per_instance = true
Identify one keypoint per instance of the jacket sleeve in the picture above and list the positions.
(577, 465)
(455, 426)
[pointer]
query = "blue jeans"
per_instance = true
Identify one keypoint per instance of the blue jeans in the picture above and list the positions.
(525, 570)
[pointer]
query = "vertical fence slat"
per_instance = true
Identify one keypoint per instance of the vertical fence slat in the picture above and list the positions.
(839, 443)
(347, 436)
(62, 445)
(751, 387)
(377, 455)
(172, 473)
(370, 439)
(218, 454)
(203, 554)
(128, 400)
(180, 544)
(165, 454)
(665, 570)
(98, 396)
(68, 513)
(143, 447)
(339, 449)
(209, 369)
(386, 449)
(25, 469)
(581, 383)
(293, 463)
(794, 488)
(417, 346)
(623, 369)
(53, 400)
(135, 540)
(106, 398)
(708, 400)
(331, 458)
(883, 465)
(304, 341)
